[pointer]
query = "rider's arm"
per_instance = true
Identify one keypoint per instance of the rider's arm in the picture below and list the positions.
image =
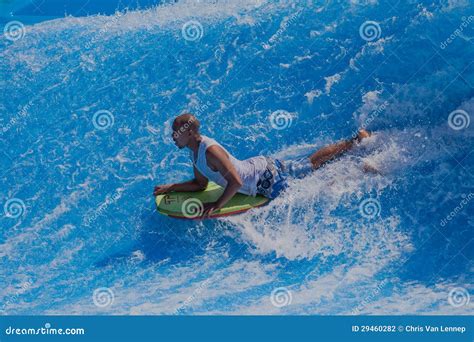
(217, 158)
(199, 183)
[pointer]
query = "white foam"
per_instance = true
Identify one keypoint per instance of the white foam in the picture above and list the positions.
(420, 299)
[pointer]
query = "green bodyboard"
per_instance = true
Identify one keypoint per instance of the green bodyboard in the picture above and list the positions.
(189, 205)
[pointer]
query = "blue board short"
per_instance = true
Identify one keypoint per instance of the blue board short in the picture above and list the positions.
(274, 179)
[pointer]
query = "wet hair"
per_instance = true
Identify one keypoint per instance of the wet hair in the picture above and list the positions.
(186, 122)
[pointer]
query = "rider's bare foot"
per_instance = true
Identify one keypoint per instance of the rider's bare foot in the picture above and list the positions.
(362, 134)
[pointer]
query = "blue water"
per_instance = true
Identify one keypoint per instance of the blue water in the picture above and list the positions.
(79, 214)
(34, 11)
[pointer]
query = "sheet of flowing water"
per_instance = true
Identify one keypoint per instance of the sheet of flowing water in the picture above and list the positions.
(85, 113)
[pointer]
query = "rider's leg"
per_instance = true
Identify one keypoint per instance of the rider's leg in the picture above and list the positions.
(332, 151)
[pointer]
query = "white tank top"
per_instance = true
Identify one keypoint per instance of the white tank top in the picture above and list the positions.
(249, 170)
